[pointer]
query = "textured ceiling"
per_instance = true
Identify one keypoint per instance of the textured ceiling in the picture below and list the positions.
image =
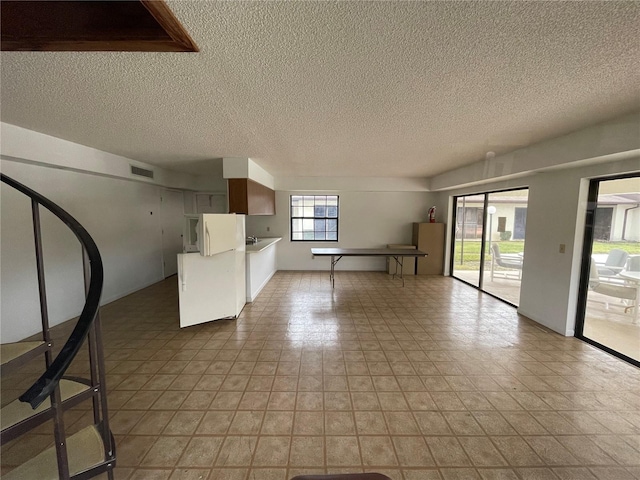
(340, 88)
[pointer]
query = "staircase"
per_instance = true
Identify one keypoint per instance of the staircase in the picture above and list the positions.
(91, 450)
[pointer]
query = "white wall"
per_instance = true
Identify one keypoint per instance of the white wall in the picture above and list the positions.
(352, 184)
(557, 209)
(367, 220)
(610, 141)
(120, 213)
(557, 205)
(28, 146)
(189, 203)
(261, 266)
(234, 167)
(122, 217)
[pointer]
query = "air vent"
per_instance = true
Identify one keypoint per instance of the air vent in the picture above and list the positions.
(141, 172)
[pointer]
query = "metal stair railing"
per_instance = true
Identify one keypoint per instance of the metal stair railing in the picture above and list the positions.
(87, 327)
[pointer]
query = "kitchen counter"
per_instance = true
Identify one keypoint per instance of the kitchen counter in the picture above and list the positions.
(261, 265)
(262, 244)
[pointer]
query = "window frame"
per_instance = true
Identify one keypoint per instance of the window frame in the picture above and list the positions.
(292, 218)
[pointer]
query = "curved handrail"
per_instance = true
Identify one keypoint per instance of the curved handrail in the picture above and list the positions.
(45, 385)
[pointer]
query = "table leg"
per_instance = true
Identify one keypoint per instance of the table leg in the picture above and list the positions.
(332, 275)
(399, 263)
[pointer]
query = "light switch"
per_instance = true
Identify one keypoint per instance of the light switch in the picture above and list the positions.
(562, 247)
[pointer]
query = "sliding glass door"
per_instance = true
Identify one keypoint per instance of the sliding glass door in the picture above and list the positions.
(610, 286)
(488, 251)
(469, 226)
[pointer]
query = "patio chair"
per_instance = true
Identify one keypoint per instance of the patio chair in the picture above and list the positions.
(610, 289)
(616, 260)
(509, 260)
(633, 263)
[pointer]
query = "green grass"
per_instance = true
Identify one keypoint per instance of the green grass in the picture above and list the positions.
(471, 259)
(632, 248)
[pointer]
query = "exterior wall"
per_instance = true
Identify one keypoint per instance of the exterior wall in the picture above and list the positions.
(632, 230)
(633, 226)
(502, 210)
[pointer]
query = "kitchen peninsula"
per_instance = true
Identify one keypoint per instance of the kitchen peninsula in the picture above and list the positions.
(260, 265)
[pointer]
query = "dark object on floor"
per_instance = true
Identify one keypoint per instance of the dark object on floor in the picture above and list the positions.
(344, 476)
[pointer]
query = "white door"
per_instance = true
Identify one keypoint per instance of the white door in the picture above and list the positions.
(171, 219)
(217, 233)
(206, 287)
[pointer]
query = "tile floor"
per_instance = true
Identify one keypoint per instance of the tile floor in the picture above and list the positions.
(606, 320)
(432, 381)
(505, 287)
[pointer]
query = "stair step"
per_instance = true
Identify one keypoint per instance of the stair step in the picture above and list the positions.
(85, 450)
(17, 411)
(19, 352)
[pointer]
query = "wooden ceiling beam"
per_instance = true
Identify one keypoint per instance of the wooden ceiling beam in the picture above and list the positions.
(129, 26)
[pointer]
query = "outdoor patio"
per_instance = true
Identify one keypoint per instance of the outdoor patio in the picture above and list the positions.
(612, 326)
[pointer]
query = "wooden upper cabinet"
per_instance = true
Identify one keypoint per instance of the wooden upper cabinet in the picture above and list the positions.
(251, 198)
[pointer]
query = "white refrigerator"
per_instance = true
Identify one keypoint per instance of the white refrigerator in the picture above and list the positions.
(212, 280)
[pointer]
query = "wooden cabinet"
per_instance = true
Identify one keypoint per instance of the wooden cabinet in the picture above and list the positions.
(250, 198)
(429, 237)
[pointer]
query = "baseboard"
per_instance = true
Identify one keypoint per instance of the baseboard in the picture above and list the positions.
(567, 333)
(118, 296)
(252, 298)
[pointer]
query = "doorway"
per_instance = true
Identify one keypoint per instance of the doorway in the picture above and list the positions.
(172, 219)
(488, 241)
(608, 313)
